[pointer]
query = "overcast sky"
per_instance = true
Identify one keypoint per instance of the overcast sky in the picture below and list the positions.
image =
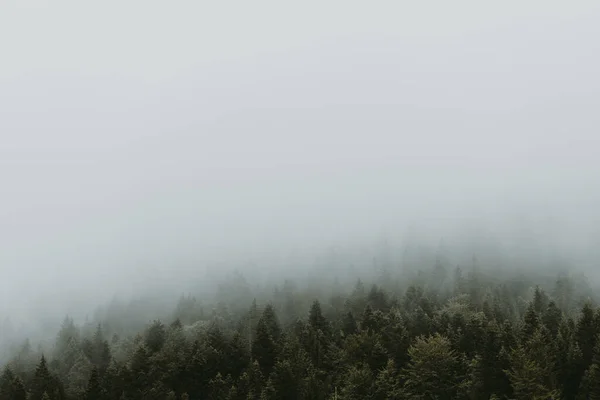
(140, 136)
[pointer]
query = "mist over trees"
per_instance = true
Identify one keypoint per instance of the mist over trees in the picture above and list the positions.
(398, 325)
(319, 200)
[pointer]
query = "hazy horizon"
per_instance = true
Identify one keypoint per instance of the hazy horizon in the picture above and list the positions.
(141, 140)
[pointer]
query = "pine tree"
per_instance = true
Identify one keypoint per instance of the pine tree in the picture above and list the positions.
(316, 319)
(286, 379)
(563, 293)
(171, 396)
(531, 323)
(155, 336)
(368, 322)
(349, 325)
(264, 348)
(97, 350)
(589, 388)
(251, 382)
(68, 332)
(94, 391)
(42, 381)
(420, 323)
(219, 387)
(434, 370)
(114, 380)
(532, 369)
(377, 298)
(358, 383)
(569, 361)
(586, 333)
(238, 357)
(270, 320)
(19, 391)
(7, 384)
(395, 340)
(459, 281)
(540, 300)
(216, 338)
(78, 376)
(268, 392)
(387, 384)
(552, 318)
(493, 361)
(140, 369)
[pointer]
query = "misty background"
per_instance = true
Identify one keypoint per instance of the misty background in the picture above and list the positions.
(147, 146)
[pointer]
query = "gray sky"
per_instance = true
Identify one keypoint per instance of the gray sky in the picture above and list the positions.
(141, 137)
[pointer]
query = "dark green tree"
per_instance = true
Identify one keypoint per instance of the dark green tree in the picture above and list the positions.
(43, 383)
(540, 300)
(387, 383)
(264, 347)
(7, 381)
(316, 319)
(155, 336)
(434, 370)
(358, 383)
(586, 333)
(19, 391)
(270, 320)
(552, 318)
(531, 323)
(94, 390)
(219, 388)
(349, 325)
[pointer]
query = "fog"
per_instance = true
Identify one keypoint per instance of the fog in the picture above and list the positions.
(143, 145)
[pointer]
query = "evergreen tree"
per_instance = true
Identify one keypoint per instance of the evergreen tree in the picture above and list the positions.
(285, 380)
(434, 370)
(589, 388)
(563, 293)
(94, 390)
(251, 382)
(540, 300)
(531, 323)
(358, 383)
(349, 325)
(268, 392)
(586, 333)
(19, 391)
(7, 381)
(552, 318)
(316, 319)
(238, 357)
(377, 298)
(68, 333)
(368, 322)
(387, 383)
(269, 319)
(79, 375)
(532, 369)
(155, 336)
(219, 388)
(264, 347)
(42, 381)
(569, 362)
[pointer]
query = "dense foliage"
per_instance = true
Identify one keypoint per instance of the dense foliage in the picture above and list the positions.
(437, 336)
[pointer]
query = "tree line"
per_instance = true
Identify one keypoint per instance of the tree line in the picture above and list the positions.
(467, 337)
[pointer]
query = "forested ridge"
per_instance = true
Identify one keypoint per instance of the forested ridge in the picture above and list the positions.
(441, 334)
